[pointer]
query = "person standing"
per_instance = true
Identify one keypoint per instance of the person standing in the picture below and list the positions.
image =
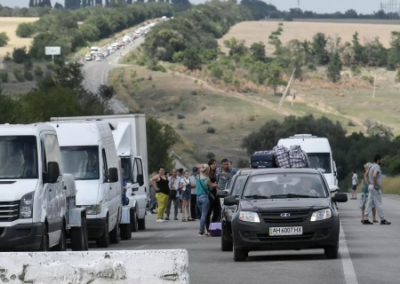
(152, 196)
(364, 195)
(354, 183)
(185, 196)
(193, 197)
(215, 206)
(375, 193)
(202, 191)
(160, 183)
(124, 188)
(175, 186)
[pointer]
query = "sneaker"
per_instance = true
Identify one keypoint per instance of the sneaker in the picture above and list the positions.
(202, 234)
(367, 222)
(167, 219)
(385, 222)
(160, 221)
(376, 221)
(176, 218)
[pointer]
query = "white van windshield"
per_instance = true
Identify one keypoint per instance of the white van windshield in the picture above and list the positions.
(320, 161)
(81, 161)
(18, 157)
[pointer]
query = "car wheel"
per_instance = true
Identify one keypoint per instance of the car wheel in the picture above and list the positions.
(239, 255)
(114, 234)
(225, 245)
(126, 231)
(44, 245)
(104, 240)
(142, 224)
(332, 252)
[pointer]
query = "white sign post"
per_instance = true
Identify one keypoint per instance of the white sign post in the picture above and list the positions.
(53, 50)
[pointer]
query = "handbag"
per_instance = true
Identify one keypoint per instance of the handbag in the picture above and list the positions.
(172, 193)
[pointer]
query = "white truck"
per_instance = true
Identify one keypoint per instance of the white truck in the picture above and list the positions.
(129, 132)
(319, 154)
(37, 201)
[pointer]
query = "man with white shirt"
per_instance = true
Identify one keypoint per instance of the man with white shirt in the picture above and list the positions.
(354, 184)
(174, 187)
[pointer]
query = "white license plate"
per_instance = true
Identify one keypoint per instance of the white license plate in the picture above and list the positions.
(285, 231)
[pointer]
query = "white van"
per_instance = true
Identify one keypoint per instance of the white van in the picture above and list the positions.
(88, 153)
(37, 206)
(319, 154)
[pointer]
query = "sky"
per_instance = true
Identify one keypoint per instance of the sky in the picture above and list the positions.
(319, 6)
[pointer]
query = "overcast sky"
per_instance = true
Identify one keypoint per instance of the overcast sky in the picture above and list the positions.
(319, 6)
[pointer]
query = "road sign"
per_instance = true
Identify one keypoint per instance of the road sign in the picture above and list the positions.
(53, 50)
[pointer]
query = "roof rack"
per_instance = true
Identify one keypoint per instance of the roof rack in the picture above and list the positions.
(302, 136)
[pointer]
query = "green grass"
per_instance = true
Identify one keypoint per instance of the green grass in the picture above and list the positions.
(390, 185)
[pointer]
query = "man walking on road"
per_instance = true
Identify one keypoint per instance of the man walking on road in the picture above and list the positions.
(354, 183)
(375, 193)
(175, 186)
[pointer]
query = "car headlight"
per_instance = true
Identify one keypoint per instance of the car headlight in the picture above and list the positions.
(321, 215)
(93, 209)
(26, 205)
(249, 217)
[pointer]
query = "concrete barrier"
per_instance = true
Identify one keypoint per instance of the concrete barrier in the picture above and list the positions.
(96, 267)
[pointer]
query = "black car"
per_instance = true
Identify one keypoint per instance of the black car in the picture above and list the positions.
(285, 209)
(233, 188)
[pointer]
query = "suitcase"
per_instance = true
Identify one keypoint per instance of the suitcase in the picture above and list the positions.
(215, 229)
(264, 159)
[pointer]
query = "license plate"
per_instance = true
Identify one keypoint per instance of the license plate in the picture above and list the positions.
(285, 231)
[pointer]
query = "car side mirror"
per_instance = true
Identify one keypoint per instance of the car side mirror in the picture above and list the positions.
(140, 180)
(222, 193)
(53, 172)
(333, 188)
(340, 197)
(231, 200)
(112, 175)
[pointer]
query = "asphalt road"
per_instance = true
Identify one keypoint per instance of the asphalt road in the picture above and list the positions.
(96, 72)
(368, 254)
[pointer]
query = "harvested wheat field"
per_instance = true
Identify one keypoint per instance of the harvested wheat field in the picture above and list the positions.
(260, 31)
(9, 25)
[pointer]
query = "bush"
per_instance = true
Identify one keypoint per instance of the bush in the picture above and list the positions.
(157, 67)
(18, 75)
(25, 30)
(28, 75)
(288, 18)
(203, 108)
(7, 57)
(180, 116)
(205, 121)
(311, 67)
(50, 66)
(194, 93)
(211, 130)
(210, 155)
(19, 55)
(355, 70)
(369, 79)
(181, 126)
(252, 118)
(351, 123)
(4, 77)
(4, 39)
(217, 72)
(242, 163)
(28, 65)
(38, 72)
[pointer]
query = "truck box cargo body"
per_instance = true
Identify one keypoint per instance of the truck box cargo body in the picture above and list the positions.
(35, 213)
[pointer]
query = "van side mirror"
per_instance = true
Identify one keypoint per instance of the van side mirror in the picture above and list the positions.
(222, 193)
(53, 172)
(340, 197)
(339, 172)
(231, 200)
(112, 175)
(140, 180)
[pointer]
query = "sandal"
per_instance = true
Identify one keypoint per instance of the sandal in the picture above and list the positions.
(183, 220)
(190, 219)
(375, 221)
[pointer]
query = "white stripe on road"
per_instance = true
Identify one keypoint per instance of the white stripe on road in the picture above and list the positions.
(167, 236)
(350, 276)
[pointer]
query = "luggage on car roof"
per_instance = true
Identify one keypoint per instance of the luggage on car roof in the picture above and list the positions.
(263, 159)
(297, 157)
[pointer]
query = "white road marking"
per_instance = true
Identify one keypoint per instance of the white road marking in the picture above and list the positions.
(350, 276)
(140, 247)
(167, 236)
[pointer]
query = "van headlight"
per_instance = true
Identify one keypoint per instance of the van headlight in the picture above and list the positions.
(26, 205)
(249, 217)
(93, 209)
(321, 215)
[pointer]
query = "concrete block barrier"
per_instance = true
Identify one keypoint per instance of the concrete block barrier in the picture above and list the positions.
(95, 267)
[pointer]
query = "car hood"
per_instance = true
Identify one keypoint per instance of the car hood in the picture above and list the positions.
(260, 205)
(88, 192)
(13, 190)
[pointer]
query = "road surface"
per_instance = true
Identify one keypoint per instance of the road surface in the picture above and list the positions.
(368, 254)
(96, 72)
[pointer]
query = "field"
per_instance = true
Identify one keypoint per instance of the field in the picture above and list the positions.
(259, 31)
(9, 25)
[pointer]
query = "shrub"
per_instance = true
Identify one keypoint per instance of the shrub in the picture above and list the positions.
(19, 55)
(38, 72)
(211, 130)
(210, 155)
(194, 93)
(3, 39)
(180, 116)
(18, 75)
(25, 30)
(288, 18)
(157, 67)
(217, 72)
(351, 123)
(252, 118)
(7, 58)
(150, 78)
(181, 126)
(28, 65)
(398, 76)
(4, 77)
(355, 70)
(205, 121)
(28, 75)
(242, 163)
(369, 79)
(50, 66)
(203, 108)
(311, 67)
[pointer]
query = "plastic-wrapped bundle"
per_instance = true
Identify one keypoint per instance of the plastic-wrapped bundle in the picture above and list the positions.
(282, 156)
(263, 159)
(297, 157)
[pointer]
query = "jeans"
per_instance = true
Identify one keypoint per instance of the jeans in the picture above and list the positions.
(153, 200)
(374, 200)
(203, 204)
(162, 200)
(215, 210)
(194, 211)
(176, 204)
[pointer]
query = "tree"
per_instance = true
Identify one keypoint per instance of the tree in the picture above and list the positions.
(235, 47)
(191, 58)
(106, 93)
(31, 4)
(358, 50)
(257, 51)
(3, 39)
(259, 72)
(351, 14)
(25, 30)
(19, 55)
(334, 68)
(319, 49)
(9, 109)
(46, 3)
(58, 6)
(274, 79)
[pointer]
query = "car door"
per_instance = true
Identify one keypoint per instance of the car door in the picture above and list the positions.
(140, 190)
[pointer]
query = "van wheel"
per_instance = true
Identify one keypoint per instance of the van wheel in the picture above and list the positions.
(134, 221)
(114, 234)
(79, 240)
(104, 240)
(126, 231)
(62, 245)
(142, 224)
(44, 245)
(239, 255)
(225, 245)
(332, 252)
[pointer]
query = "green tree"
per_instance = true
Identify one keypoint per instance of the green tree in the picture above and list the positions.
(394, 52)
(9, 109)
(259, 72)
(25, 30)
(257, 51)
(19, 55)
(334, 68)
(275, 73)
(31, 4)
(358, 50)
(236, 47)
(191, 58)
(3, 39)
(319, 49)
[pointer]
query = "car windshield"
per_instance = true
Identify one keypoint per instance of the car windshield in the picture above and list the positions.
(81, 161)
(18, 157)
(238, 185)
(286, 185)
(320, 161)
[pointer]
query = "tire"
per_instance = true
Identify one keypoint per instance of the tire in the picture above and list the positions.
(239, 255)
(114, 234)
(62, 245)
(142, 224)
(332, 252)
(44, 245)
(126, 231)
(104, 240)
(79, 241)
(225, 245)
(134, 221)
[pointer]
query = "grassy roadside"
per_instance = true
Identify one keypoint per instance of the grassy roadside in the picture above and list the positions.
(390, 185)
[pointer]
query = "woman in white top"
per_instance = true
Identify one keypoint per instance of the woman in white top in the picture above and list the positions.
(186, 192)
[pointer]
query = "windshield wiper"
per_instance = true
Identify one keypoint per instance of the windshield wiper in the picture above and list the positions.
(256, 196)
(291, 195)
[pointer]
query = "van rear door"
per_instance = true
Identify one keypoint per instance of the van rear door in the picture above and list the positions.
(139, 186)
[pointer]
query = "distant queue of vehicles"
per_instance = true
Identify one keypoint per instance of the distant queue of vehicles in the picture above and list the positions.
(64, 180)
(283, 209)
